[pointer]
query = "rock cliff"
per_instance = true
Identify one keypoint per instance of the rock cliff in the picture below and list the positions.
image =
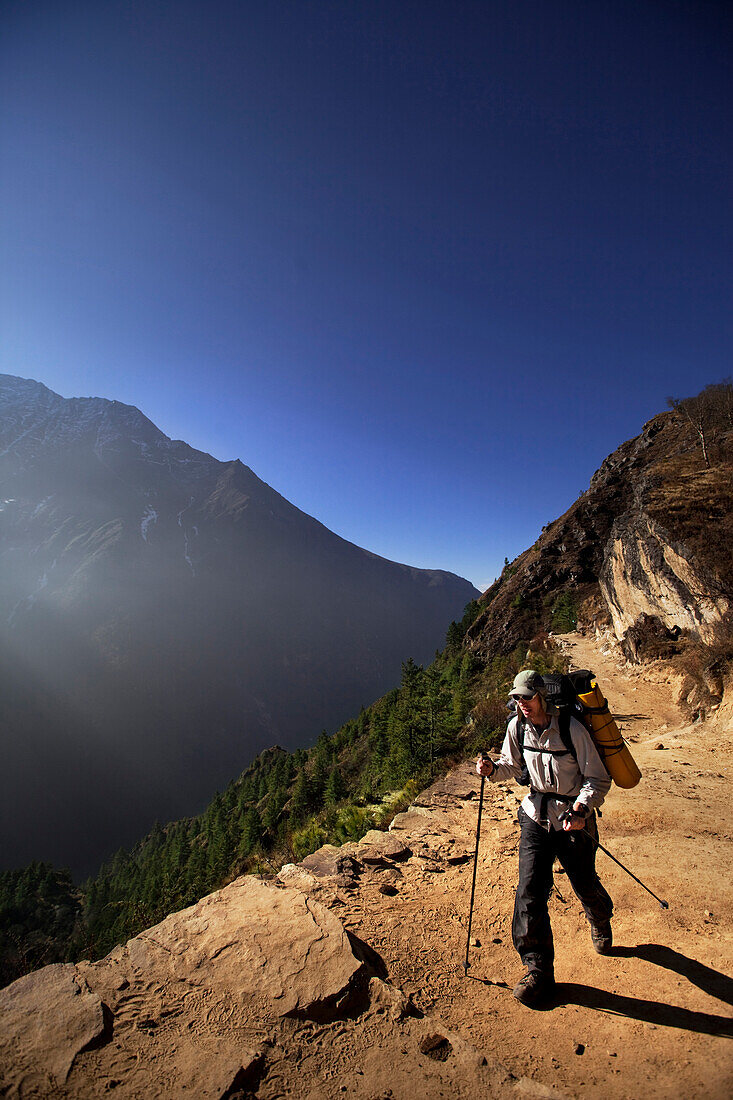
(644, 551)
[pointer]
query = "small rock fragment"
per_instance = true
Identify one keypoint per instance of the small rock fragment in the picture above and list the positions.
(475, 941)
(659, 745)
(580, 1048)
(436, 1046)
(386, 998)
(385, 888)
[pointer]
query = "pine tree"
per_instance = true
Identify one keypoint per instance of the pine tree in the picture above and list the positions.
(251, 831)
(335, 787)
(302, 800)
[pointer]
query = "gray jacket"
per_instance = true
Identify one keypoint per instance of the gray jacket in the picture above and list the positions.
(586, 781)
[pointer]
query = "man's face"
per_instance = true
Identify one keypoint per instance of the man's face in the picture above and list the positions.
(533, 709)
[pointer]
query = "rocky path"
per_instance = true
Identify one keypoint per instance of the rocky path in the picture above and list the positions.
(653, 1020)
(345, 976)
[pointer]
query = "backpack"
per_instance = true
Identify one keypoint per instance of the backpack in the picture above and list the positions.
(577, 695)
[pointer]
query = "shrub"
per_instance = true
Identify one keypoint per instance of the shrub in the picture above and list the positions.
(307, 840)
(564, 614)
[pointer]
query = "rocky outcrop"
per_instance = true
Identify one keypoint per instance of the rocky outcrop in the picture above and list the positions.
(251, 953)
(649, 540)
(643, 573)
(251, 940)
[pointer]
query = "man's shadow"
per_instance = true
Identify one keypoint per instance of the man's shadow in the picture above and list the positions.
(656, 1012)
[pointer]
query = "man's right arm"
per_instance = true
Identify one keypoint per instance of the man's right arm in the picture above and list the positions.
(508, 765)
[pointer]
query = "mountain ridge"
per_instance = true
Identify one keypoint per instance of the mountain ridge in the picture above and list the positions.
(395, 894)
(655, 521)
(164, 616)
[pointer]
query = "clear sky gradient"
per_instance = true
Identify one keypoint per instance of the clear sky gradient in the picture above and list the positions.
(420, 265)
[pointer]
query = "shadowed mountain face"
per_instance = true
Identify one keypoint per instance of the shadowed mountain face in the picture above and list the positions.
(164, 617)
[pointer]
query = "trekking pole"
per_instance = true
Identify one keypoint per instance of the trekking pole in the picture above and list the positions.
(475, 865)
(664, 904)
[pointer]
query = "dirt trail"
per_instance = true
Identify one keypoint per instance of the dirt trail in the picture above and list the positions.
(654, 1019)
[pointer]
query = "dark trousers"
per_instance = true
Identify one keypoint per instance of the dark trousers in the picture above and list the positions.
(538, 849)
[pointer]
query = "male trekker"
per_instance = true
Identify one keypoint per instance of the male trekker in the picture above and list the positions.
(560, 781)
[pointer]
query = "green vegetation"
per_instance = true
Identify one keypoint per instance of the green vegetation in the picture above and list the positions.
(40, 919)
(286, 805)
(564, 614)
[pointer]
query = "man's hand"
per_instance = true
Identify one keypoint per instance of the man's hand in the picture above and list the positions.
(484, 765)
(576, 818)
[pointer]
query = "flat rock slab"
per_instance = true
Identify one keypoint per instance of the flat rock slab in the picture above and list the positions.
(376, 846)
(253, 939)
(459, 785)
(416, 820)
(209, 1078)
(46, 1019)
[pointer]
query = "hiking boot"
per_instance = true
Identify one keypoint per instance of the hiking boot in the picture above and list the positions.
(534, 988)
(602, 937)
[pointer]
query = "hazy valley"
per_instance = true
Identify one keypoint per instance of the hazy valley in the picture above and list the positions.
(163, 618)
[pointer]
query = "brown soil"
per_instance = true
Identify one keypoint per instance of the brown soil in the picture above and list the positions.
(655, 1018)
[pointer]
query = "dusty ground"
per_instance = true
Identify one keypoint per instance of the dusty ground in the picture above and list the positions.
(653, 1020)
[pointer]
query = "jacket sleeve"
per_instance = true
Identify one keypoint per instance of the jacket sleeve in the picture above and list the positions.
(596, 780)
(509, 763)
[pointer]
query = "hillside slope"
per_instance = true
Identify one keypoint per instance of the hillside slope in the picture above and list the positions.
(163, 618)
(213, 1001)
(644, 551)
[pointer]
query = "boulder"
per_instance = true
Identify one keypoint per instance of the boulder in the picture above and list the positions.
(415, 819)
(46, 1019)
(254, 939)
(331, 862)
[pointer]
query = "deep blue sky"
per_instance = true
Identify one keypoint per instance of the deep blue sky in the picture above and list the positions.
(420, 265)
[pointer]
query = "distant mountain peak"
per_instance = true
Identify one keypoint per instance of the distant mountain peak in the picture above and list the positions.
(164, 616)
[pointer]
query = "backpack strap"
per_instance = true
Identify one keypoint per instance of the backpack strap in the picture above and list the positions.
(563, 722)
(564, 726)
(524, 776)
